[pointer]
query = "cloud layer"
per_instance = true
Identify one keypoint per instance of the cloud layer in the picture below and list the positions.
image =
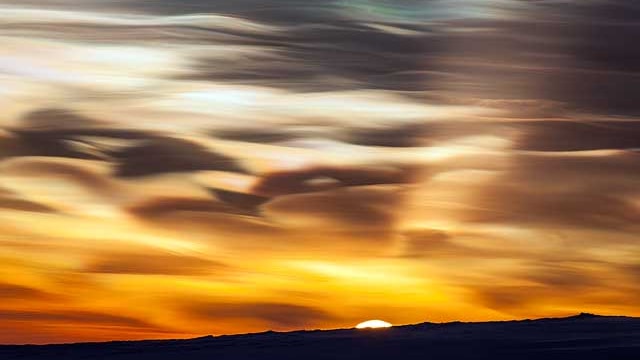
(176, 168)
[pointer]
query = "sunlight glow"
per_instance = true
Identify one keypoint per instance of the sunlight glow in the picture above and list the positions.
(373, 324)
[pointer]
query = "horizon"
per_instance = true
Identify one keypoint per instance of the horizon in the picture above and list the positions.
(314, 330)
(171, 168)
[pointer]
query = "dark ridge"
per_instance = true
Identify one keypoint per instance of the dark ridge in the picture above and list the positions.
(584, 336)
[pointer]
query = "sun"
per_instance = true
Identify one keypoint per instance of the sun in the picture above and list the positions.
(373, 324)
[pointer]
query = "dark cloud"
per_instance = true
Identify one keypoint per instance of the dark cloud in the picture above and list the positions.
(166, 206)
(252, 135)
(547, 282)
(544, 135)
(616, 168)
(60, 133)
(20, 292)
(436, 244)
(166, 155)
(575, 136)
(371, 208)
(511, 299)
(150, 263)
(328, 57)
(73, 317)
(402, 136)
(325, 178)
(429, 133)
(244, 202)
(583, 209)
(14, 203)
(427, 242)
(56, 119)
(75, 173)
(228, 202)
(576, 191)
(40, 143)
(287, 11)
(579, 58)
(208, 216)
(633, 271)
(256, 223)
(274, 315)
(563, 276)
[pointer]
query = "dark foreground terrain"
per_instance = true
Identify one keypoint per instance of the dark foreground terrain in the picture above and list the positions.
(578, 337)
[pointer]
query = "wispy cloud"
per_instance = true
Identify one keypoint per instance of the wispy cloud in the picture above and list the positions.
(168, 166)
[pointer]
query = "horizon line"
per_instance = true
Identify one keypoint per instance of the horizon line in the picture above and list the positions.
(581, 315)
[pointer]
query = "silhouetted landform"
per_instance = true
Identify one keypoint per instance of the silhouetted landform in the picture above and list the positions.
(583, 337)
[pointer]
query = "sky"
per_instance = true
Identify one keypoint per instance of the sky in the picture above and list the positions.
(176, 168)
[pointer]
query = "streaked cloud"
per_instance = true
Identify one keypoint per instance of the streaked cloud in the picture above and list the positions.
(173, 168)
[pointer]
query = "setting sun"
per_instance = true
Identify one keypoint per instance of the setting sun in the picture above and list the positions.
(373, 324)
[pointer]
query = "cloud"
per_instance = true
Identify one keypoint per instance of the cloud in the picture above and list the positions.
(435, 245)
(562, 283)
(274, 315)
(59, 185)
(20, 292)
(387, 135)
(61, 133)
(57, 119)
(65, 134)
(289, 11)
(39, 144)
(253, 135)
(511, 299)
(367, 208)
(152, 263)
(209, 217)
(593, 192)
(85, 175)
(331, 56)
(245, 202)
(562, 275)
(325, 178)
(559, 208)
(164, 206)
(402, 136)
(12, 203)
(166, 155)
(77, 317)
(501, 59)
(579, 136)
(430, 49)
(499, 136)
(425, 242)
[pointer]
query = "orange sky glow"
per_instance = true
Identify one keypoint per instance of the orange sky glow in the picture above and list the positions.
(171, 170)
